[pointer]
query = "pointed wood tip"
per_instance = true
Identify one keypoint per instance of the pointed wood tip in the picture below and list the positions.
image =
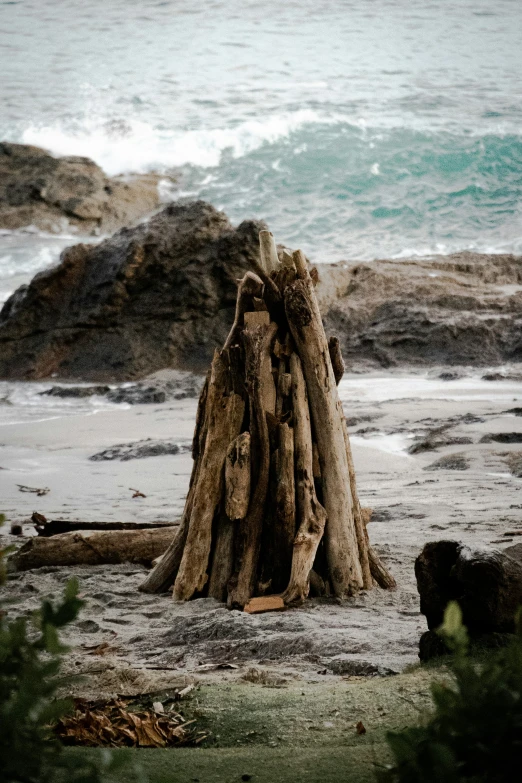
(268, 252)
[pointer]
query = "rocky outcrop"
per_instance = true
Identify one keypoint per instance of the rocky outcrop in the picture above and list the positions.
(161, 294)
(486, 584)
(55, 194)
(460, 309)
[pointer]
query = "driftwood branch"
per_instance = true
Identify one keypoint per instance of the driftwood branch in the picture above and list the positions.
(272, 503)
(225, 416)
(311, 513)
(237, 477)
(258, 342)
(307, 329)
(93, 548)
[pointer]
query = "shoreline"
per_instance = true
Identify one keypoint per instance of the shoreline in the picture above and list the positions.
(389, 412)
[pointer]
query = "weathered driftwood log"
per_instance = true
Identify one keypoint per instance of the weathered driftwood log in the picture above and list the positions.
(284, 463)
(237, 477)
(222, 565)
(311, 514)
(224, 419)
(268, 252)
(265, 382)
(54, 527)
(164, 573)
(237, 497)
(93, 548)
(307, 329)
(283, 531)
(249, 287)
(486, 584)
(371, 565)
(258, 341)
(336, 357)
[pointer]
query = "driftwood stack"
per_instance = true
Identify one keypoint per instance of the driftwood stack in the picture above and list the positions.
(272, 505)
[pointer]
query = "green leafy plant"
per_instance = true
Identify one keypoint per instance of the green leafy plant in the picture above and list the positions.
(30, 652)
(475, 733)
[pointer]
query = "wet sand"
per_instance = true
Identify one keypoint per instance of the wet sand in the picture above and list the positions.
(453, 486)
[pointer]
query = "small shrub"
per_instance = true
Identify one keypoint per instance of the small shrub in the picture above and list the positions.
(30, 652)
(475, 733)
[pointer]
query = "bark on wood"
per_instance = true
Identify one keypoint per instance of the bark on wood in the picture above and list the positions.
(266, 378)
(284, 522)
(487, 585)
(223, 557)
(336, 358)
(258, 341)
(371, 565)
(224, 420)
(287, 259)
(93, 548)
(307, 330)
(311, 513)
(361, 533)
(280, 396)
(379, 571)
(317, 585)
(268, 252)
(250, 286)
(164, 573)
(237, 477)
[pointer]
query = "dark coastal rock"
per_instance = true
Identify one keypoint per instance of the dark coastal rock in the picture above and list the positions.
(54, 194)
(141, 449)
(500, 376)
(163, 294)
(486, 584)
(502, 437)
(137, 395)
(437, 438)
(443, 310)
(158, 391)
(450, 376)
(158, 295)
(450, 462)
(513, 460)
(432, 645)
(76, 392)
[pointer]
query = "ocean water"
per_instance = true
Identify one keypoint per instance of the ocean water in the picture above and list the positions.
(357, 128)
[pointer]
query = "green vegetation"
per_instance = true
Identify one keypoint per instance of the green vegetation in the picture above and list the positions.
(276, 727)
(30, 652)
(475, 733)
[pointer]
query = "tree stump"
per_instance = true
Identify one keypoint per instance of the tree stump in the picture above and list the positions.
(486, 584)
(272, 502)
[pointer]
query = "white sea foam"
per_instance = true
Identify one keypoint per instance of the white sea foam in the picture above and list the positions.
(135, 145)
(397, 387)
(42, 259)
(23, 403)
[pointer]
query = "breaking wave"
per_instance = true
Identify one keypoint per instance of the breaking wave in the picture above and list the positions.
(123, 146)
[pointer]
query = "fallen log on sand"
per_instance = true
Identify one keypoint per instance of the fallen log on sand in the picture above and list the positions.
(272, 497)
(93, 548)
(54, 527)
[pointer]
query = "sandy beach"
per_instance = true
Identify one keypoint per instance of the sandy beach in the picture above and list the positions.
(457, 484)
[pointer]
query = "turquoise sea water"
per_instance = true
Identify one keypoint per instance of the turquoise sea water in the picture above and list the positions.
(356, 128)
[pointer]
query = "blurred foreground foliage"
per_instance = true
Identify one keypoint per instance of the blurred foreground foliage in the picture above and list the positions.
(475, 733)
(30, 652)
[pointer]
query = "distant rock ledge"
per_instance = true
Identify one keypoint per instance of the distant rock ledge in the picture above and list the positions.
(57, 194)
(159, 295)
(162, 295)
